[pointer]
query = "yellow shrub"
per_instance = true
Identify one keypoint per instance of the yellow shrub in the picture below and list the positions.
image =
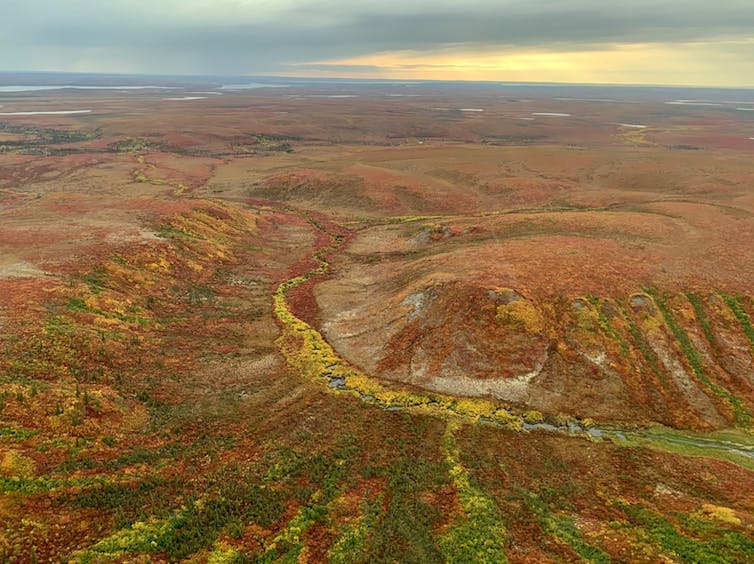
(533, 417)
(722, 514)
(160, 265)
(16, 464)
(521, 313)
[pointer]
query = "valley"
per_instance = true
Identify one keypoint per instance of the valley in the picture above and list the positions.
(324, 322)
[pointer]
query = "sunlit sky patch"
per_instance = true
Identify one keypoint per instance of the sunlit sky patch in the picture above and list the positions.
(639, 41)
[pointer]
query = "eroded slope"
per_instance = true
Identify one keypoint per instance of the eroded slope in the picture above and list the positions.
(592, 313)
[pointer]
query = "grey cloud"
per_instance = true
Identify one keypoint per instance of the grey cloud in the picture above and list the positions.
(228, 36)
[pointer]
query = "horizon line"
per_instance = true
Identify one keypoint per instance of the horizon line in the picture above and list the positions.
(314, 79)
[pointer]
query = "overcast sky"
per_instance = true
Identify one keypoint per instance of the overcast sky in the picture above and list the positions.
(704, 42)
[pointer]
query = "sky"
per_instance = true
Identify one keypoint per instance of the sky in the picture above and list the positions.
(689, 42)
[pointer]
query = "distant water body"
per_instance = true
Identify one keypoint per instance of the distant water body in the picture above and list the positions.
(46, 113)
(24, 88)
(693, 103)
(252, 85)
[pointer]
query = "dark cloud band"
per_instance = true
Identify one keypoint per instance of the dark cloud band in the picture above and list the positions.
(245, 37)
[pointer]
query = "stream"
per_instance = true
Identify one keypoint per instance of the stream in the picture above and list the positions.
(663, 438)
(619, 435)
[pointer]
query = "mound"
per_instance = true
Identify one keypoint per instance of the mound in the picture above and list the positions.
(551, 312)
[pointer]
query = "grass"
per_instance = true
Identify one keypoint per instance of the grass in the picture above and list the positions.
(168, 232)
(287, 545)
(328, 473)
(404, 532)
(14, 434)
(646, 351)
(44, 484)
(742, 415)
(352, 545)
(128, 502)
(605, 325)
(735, 303)
(701, 317)
(563, 528)
(723, 541)
(95, 280)
(479, 534)
(197, 524)
(170, 452)
(670, 440)
(719, 547)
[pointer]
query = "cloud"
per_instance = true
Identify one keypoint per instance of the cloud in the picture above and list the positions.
(278, 36)
(644, 63)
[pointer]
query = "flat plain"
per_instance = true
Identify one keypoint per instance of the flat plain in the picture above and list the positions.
(376, 322)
